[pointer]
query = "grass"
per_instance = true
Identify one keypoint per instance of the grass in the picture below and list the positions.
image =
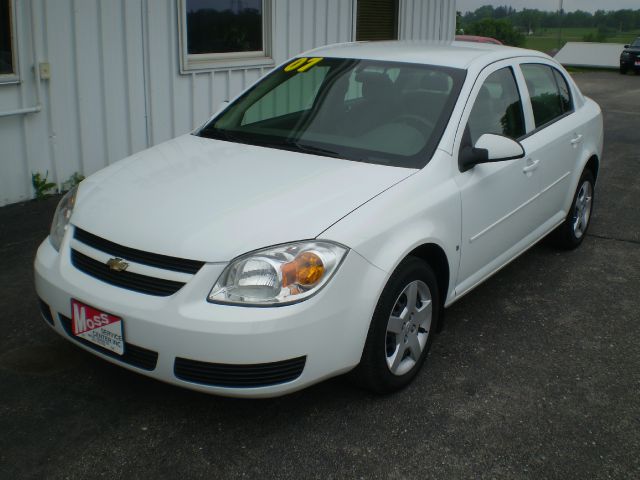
(547, 39)
(577, 70)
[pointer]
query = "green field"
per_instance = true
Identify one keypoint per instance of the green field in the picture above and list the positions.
(547, 39)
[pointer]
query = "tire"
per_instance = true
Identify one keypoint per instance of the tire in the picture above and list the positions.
(400, 333)
(571, 233)
(623, 70)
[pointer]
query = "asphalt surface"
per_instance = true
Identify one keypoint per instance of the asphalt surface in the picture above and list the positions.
(536, 374)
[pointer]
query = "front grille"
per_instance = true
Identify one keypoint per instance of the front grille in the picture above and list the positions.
(45, 310)
(133, 281)
(239, 376)
(147, 258)
(133, 355)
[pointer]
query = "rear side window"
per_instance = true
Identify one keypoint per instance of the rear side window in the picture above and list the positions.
(549, 92)
(565, 95)
(497, 108)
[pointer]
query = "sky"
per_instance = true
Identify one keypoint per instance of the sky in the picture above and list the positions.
(551, 5)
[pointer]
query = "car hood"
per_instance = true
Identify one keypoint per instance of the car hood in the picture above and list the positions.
(213, 200)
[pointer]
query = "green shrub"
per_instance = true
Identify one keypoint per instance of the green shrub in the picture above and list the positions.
(499, 29)
(41, 187)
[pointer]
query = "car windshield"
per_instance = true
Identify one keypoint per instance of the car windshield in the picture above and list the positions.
(370, 111)
(636, 42)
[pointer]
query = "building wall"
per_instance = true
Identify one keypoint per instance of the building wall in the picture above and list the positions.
(115, 86)
(427, 19)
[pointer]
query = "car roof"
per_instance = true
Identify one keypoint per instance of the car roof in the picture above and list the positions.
(447, 54)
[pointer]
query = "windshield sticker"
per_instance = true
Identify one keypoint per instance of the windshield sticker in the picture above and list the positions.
(302, 64)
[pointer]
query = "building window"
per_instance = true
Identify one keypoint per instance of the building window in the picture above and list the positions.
(8, 59)
(377, 20)
(224, 33)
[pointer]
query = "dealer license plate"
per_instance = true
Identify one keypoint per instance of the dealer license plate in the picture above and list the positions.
(100, 328)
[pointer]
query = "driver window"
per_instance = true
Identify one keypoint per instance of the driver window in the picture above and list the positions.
(498, 108)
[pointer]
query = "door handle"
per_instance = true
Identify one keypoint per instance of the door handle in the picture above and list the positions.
(531, 165)
(576, 140)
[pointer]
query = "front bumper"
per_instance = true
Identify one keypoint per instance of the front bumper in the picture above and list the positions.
(325, 334)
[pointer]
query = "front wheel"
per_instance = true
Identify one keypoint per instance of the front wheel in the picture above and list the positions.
(401, 329)
(571, 233)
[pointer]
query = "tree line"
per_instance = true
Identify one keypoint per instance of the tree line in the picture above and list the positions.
(508, 24)
(531, 19)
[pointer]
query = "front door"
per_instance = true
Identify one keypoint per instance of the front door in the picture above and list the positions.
(499, 207)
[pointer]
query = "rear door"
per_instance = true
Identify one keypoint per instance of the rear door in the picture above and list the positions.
(553, 142)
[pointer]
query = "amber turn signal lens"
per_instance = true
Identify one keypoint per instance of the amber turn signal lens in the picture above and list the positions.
(306, 269)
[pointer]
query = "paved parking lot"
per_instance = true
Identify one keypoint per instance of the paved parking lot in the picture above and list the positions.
(536, 374)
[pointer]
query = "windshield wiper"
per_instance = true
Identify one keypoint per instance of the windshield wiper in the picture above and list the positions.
(285, 144)
(217, 134)
(313, 149)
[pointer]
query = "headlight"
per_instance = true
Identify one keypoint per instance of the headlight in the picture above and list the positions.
(278, 275)
(61, 218)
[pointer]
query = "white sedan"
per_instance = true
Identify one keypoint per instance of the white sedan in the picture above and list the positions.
(322, 220)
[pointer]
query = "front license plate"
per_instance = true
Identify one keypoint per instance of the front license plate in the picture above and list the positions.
(637, 63)
(103, 329)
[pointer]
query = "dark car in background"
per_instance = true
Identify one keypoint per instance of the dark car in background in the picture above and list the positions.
(630, 57)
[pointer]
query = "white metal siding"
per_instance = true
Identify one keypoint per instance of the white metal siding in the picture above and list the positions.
(115, 86)
(427, 19)
(14, 145)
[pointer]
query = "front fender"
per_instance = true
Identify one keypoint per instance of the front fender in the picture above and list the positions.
(424, 208)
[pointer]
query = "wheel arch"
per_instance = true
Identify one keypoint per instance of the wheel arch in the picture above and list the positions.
(437, 259)
(593, 164)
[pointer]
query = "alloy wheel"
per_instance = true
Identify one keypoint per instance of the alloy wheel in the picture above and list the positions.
(582, 209)
(408, 327)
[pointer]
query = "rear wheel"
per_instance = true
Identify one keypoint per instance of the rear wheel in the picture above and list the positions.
(401, 329)
(571, 233)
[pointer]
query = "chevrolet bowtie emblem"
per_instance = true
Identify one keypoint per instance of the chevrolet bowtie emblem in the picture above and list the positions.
(117, 264)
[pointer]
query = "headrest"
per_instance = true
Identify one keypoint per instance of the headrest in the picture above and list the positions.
(375, 84)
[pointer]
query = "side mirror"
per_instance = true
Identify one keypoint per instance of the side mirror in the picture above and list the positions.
(490, 148)
(626, 46)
